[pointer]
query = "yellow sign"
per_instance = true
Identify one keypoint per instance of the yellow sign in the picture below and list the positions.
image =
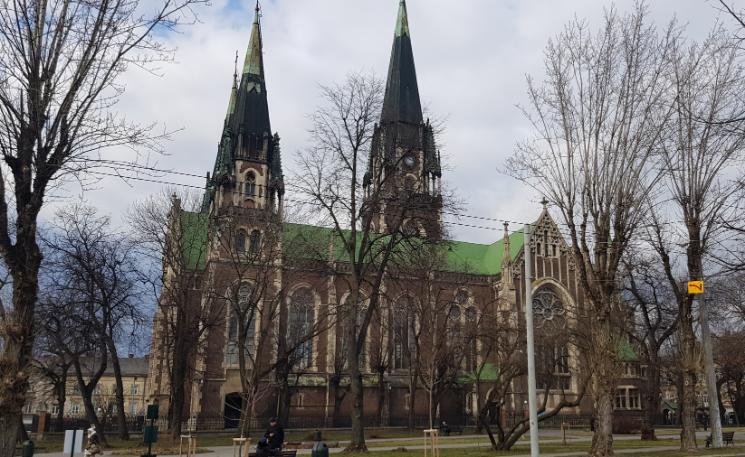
(695, 287)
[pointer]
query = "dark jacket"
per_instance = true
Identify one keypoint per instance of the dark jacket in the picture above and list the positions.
(275, 435)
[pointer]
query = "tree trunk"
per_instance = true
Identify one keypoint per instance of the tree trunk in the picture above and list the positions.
(179, 372)
(339, 394)
(602, 438)
(283, 391)
(357, 438)
(90, 412)
(652, 400)
(688, 361)
(381, 399)
(18, 333)
(61, 389)
(410, 417)
(121, 413)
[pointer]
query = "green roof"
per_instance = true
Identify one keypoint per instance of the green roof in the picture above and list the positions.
(462, 257)
(194, 242)
(481, 259)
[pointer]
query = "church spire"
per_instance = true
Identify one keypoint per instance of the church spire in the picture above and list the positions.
(251, 109)
(402, 103)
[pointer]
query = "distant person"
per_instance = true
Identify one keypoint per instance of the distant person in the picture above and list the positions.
(274, 438)
(444, 428)
(93, 447)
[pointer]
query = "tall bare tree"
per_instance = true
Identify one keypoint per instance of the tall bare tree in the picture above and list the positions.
(351, 193)
(61, 64)
(655, 321)
(172, 236)
(699, 156)
(598, 118)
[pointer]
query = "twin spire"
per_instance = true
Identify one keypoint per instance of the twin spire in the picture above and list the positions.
(402, 103)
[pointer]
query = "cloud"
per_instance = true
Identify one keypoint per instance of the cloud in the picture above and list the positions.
(472, 57)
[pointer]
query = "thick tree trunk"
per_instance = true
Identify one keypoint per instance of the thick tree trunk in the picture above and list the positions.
(61, 389)
(18, 335)
(121, 413)
(283, 390)
(602, 439)
(652, 406)
(90, 412)
(179, 372)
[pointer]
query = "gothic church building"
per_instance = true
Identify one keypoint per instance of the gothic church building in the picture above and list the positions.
(247, 183)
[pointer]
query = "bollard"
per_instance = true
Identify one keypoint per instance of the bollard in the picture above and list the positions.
(319, 449)
(28, 449)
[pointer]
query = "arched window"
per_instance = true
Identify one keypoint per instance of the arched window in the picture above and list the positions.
(301, 320)
(471, 336)
(552, 353)
(250, 184)
(404, 344)
(255, 242)
(453, 324)
(242, 305)
(240, 242)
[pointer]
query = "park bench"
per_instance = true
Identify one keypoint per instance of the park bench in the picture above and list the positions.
(727, 438)
(289, 453)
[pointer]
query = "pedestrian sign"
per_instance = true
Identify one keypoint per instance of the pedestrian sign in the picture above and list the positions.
(695, 287)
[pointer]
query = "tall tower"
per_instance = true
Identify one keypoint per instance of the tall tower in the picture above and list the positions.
(404, 160)
(248, 167)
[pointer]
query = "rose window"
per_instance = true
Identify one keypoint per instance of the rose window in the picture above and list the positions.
(548, 310)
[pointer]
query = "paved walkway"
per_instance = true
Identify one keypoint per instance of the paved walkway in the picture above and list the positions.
(481, 441)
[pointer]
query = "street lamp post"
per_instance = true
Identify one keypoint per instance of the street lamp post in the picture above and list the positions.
(534, 448)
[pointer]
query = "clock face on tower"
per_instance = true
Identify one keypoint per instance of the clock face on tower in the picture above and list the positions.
(409, 161)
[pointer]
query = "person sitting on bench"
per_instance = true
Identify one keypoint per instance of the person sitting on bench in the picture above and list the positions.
(274, 438)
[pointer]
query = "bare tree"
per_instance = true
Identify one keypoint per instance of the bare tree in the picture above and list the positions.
(598, 118)
(338, 177)
(172, 236)
(698, 156)
(655, 321)
(60, 69)
(731, 372)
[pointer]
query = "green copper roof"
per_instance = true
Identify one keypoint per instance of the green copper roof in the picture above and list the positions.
(626, 352)
(482, 259)
(194, 240)
(402, 23)
(462, 257)
(253, 64)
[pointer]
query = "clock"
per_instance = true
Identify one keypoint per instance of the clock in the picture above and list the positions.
(409, 161)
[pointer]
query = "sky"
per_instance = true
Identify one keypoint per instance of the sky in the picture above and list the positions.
(472, 58)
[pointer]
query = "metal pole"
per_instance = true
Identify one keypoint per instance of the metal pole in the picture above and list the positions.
(532, 400)
(711, 379)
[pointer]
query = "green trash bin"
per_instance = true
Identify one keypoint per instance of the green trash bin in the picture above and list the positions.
(27, 449)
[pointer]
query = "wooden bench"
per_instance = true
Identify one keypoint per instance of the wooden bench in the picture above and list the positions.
(727, 438)
(289, 453)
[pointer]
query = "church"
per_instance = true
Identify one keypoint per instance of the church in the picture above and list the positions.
(478, 282)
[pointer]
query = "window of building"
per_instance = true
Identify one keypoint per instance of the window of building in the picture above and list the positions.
(74, 409)
(240, 242)
(250, 184)
(471, 353)
(54, 409)
(627, 398)
(301, 322)
(242, 301)
(134, 389)
(298, 401)
(404, 344)
(255, 242)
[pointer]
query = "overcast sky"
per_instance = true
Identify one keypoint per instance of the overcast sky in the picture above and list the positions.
(471, 56)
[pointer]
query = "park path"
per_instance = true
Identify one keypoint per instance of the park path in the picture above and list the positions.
(481, 441)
